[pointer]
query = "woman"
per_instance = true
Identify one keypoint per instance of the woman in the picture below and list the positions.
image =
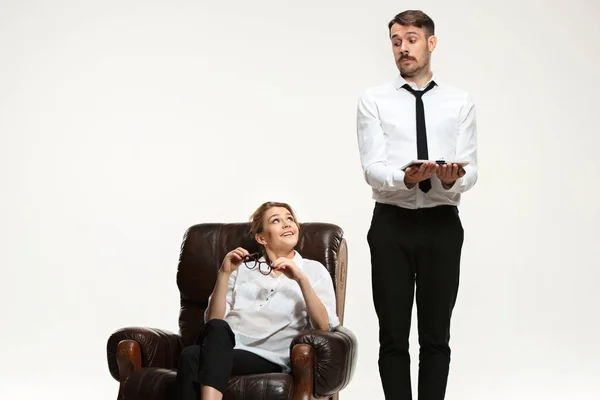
(258, 305)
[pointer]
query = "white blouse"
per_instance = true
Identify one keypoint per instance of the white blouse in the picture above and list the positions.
(266, 312)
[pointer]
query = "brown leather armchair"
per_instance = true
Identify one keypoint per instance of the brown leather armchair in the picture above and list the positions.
(144, 360)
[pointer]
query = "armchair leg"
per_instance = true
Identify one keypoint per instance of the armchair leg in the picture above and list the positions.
(129, 358)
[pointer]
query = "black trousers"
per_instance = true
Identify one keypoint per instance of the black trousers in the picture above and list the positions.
(414, 248)
(213, 360)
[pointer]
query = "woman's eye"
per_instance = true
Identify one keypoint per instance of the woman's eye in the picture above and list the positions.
(275, 220)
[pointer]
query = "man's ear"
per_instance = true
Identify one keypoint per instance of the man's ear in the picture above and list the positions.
(431, 43)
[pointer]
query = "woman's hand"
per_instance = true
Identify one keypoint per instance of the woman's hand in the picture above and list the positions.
(233, 260)
(289, 269)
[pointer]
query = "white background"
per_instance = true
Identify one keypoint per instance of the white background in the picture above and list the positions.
(122, 123)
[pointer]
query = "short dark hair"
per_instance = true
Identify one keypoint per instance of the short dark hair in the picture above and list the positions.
(415, 18)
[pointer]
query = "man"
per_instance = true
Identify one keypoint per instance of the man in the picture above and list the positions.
(416, 234)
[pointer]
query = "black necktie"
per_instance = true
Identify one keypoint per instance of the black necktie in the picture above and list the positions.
(422, 153)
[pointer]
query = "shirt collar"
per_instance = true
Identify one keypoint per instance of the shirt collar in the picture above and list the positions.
(298, 260)
(399, 82)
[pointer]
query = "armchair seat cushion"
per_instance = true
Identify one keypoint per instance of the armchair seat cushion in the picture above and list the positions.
(158, 384)
(259, 387)
(150, 384)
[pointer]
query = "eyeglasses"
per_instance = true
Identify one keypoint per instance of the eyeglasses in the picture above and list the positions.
(252, 261)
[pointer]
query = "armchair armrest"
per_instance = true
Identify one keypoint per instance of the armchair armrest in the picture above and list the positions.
(142, 347)
(332, 355)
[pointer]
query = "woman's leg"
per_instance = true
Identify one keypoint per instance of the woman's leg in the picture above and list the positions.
(247, 363)
(206, 366)
(217, 341)
(186, 383)
(244, 363)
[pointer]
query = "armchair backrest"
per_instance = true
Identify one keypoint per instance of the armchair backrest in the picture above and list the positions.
(205, 245)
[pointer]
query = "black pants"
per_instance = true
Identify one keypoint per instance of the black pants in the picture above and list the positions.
(411, 247)
(213, 360)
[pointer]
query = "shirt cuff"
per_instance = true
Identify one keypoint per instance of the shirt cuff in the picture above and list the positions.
(334, 322)
(398, 177)
(455, 188)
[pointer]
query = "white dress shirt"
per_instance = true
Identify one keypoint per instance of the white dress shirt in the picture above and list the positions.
(387, 140)
(266, 312)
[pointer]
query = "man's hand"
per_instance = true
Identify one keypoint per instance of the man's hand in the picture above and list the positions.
(449, 173)
(414, 175)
